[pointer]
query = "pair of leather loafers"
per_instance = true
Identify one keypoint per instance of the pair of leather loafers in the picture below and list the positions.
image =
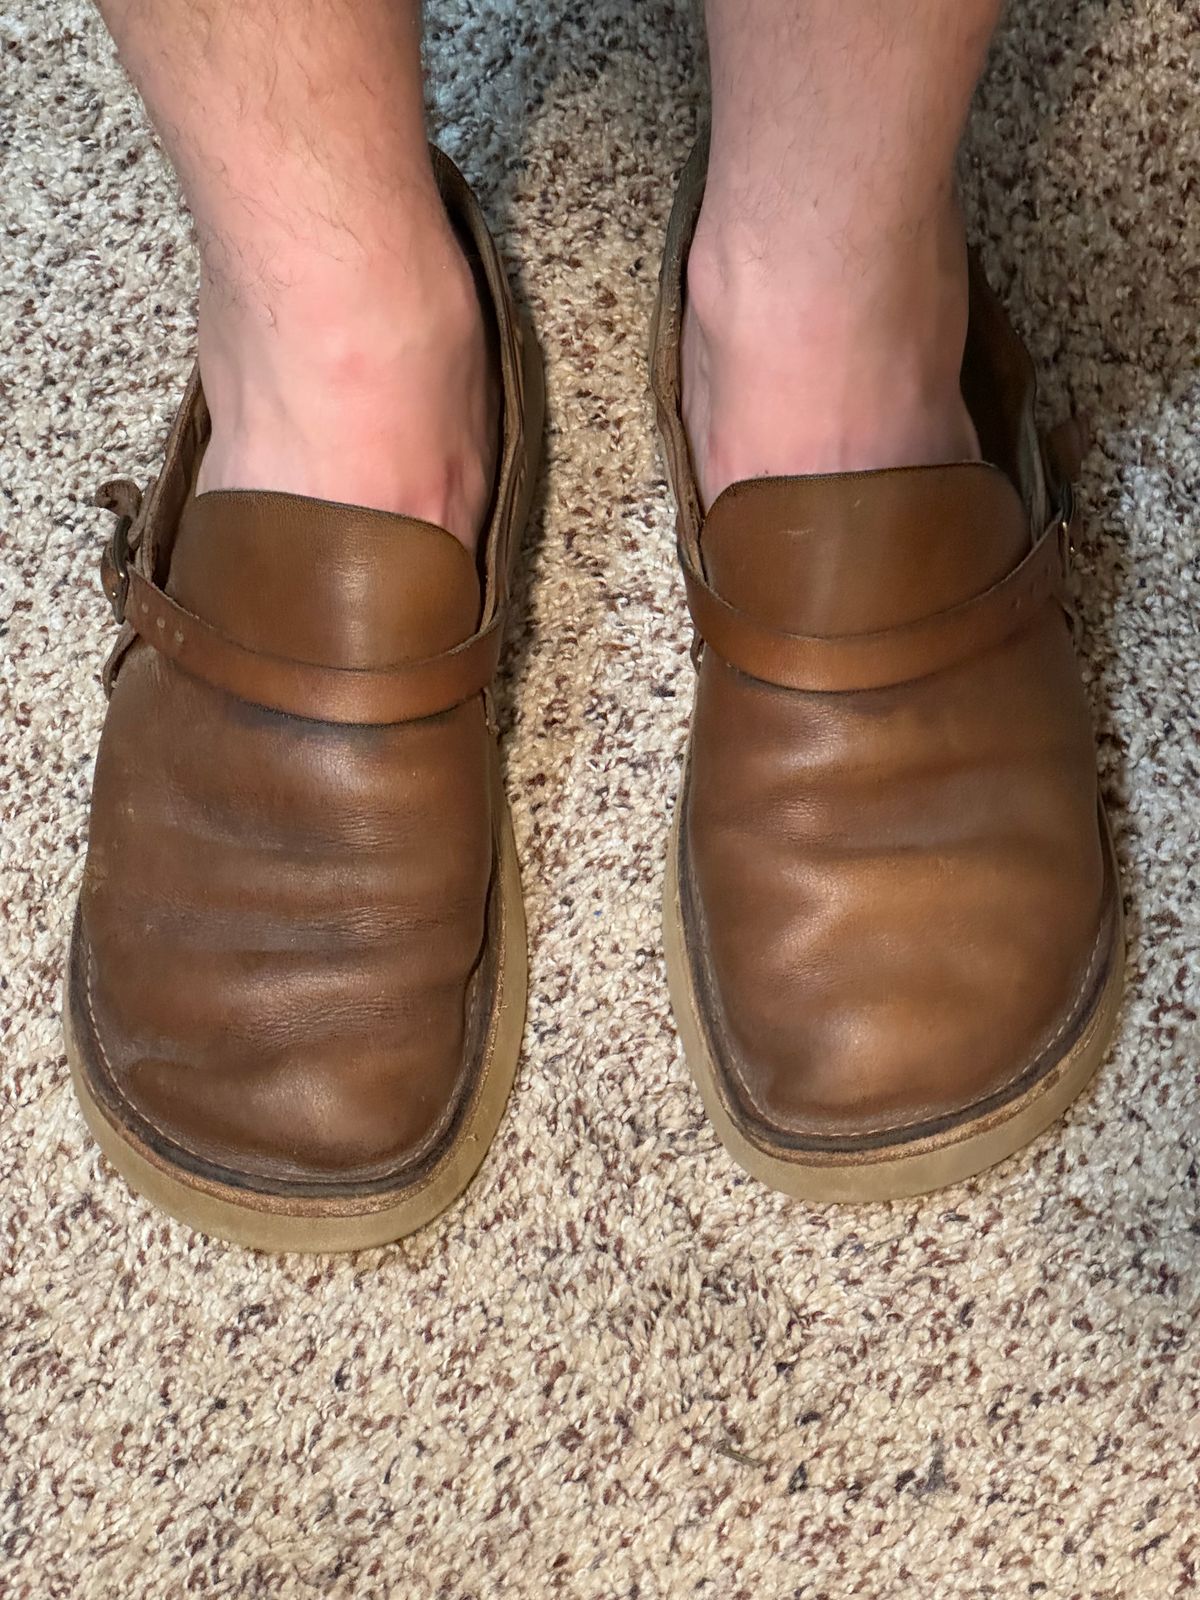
(296, 984)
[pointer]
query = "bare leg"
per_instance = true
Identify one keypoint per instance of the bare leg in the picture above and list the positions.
(342, 345)
(827, 285)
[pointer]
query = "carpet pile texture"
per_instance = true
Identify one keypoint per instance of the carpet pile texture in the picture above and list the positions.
(619, 1367)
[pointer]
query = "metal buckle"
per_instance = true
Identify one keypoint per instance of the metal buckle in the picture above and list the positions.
(1066, 528)
(118, 554)
(123, 498)
(1066, 549)
(1066, 513)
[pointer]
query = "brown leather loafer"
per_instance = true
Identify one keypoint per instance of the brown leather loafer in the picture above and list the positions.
(892, 919)
(297, 978)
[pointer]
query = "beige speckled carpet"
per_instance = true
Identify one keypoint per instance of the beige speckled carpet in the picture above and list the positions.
(619, 1368)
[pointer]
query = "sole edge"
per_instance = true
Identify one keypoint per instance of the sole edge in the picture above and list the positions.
(315, 1225)
(880, 1174)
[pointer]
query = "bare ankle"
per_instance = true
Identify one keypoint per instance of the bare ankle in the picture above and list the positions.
(797, 360)
(368, 382)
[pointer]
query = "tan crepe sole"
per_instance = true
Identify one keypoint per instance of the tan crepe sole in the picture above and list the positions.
(320, 1223)
(889, 1172)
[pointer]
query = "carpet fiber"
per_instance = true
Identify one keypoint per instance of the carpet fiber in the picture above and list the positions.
(619, 1367)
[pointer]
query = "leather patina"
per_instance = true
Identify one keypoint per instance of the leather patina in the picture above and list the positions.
(297, 930)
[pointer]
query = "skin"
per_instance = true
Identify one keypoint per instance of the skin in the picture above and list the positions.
(827, 283)
(341, 341)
